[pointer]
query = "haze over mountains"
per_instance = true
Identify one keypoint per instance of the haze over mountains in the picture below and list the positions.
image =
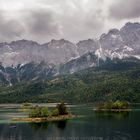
(29, 60)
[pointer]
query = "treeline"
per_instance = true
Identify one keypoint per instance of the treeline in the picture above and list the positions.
(83, 87)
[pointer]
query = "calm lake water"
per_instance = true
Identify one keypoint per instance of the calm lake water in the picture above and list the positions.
(91, 126)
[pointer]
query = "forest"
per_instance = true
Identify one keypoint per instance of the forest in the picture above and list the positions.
(87, 86)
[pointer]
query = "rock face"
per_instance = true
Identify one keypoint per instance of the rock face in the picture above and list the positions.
(59, 51)
(115, 44)
(123, 43)
(131, 34)
(83, 62)
(24, 51)
(86, 46)
(28, 60)
(26, 73)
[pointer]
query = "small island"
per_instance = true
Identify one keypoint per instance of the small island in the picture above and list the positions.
(117, 106)
(42, 114)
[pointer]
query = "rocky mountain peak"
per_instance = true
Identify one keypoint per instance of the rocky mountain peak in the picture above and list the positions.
(86, 46)
(23, 42)
(132, 25)
(131, 34)
(123, 42)
(113, 31)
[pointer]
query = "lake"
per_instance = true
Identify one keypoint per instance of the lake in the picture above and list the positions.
(90, 126)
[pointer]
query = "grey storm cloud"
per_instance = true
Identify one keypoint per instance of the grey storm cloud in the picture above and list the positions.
(82, 27)
(9, 28)
(79, 19)
(43, 20)
(123, 9)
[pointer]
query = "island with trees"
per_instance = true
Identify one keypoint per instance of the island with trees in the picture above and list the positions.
(43, 114)
(117, 106)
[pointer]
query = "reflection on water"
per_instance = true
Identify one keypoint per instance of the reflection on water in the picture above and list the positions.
(60, 124)
(39, 126)
(93, 126)
(110, 115)
(44, 125)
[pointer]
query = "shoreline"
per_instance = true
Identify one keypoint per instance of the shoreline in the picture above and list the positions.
(46, 119)
(113, 110)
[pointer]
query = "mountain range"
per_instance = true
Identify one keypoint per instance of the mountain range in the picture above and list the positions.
(24, 60)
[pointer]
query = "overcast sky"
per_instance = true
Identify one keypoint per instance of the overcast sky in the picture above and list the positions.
(43, 20)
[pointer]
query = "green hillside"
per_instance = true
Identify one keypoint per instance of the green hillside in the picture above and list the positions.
(86, 86)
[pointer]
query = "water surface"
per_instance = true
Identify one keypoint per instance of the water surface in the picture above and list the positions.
(91, 126)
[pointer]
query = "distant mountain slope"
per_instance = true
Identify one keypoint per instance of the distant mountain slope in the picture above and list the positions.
(32, 72)
(24, 51)
(116, 43)
(25, 60)
(87, 86)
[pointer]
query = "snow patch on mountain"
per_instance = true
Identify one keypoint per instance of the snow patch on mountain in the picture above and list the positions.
(128, 48)
(114, 44)
(137, 56)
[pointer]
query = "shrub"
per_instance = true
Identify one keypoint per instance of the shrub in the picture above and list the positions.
(38, 112)
(120, 105)
(44, 112)
(108, 105)
(34, 112)
(115, 105)
(62, 109)
(55, 112)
